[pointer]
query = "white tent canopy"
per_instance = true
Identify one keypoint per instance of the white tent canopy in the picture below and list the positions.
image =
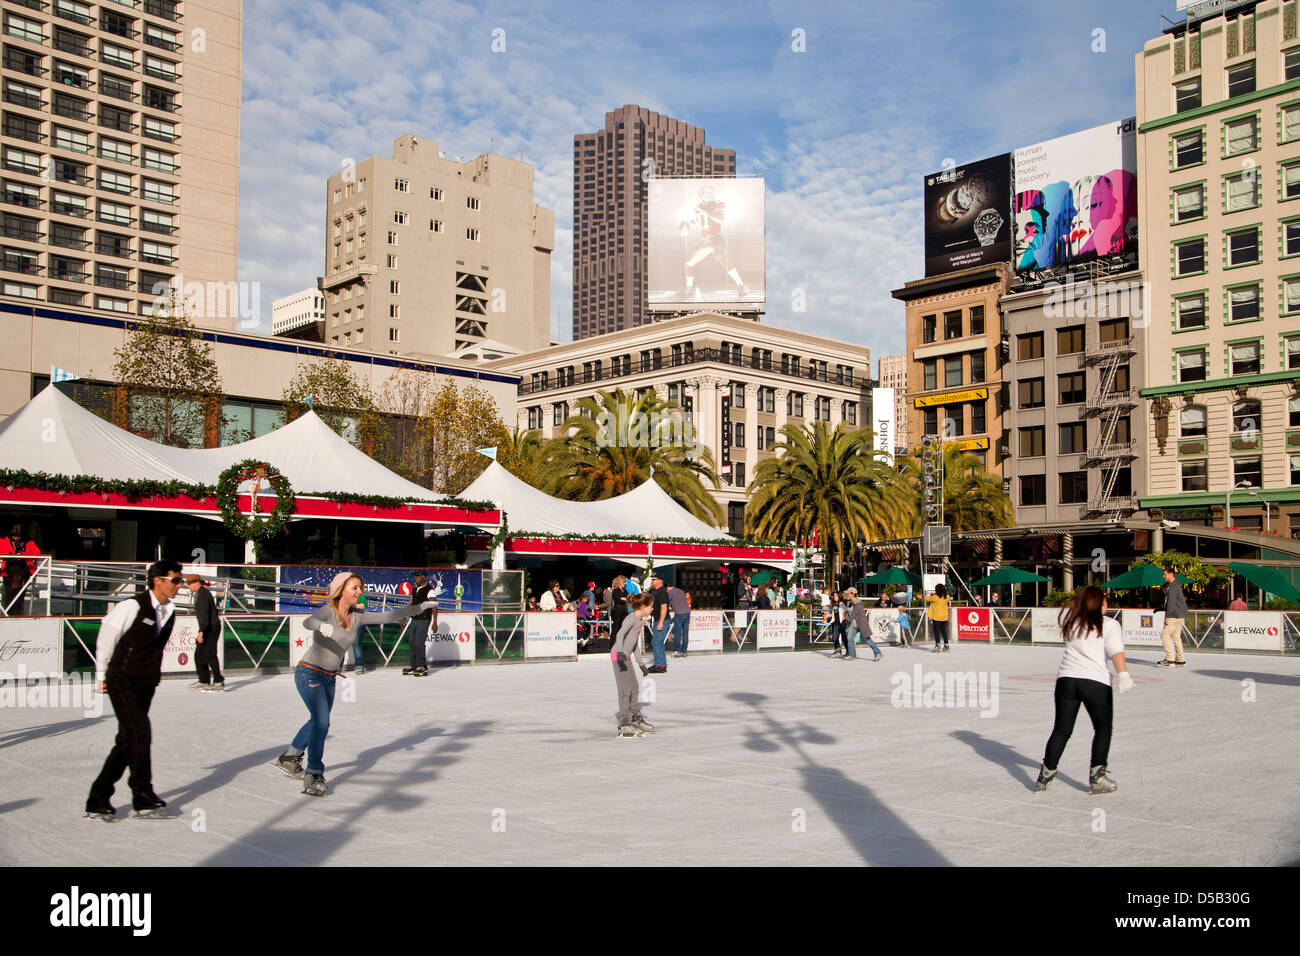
(645, 511)
(55, 435)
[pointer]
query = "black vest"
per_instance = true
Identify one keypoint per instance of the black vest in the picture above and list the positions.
(139, 651)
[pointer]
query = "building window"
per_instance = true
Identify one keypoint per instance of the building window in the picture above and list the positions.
(794, 404)
(1290, 123)
(1189, 149)
(435, 225)
(1243, 192)
(929, 374)
(392, 238)
(1033, 490)
(1245, 359)
(1248, 469)
(1071, 388)
(402, 185)
(1191, 366)
(1243, 304)
(560, 413)
(1291, 296)
(952, 370)
(471, 234)
(928, 328)
(1241, 79)
(1032, 442)
(1246, 416)
(1294, 461)
(1030, 393)
(1291, 238)
(952, 325)
(931, 419)
(1074, 487)
(392, 262)
(394, 287)
(978, 422)
(1187, 96)
(766, 437)
(1191, 257)
(1195, 475)
(471, 202)
(977, 320)
(1291, 67)
(534, 417)
(1192, 422)
(1069, 340)
(738, 435)
(850, 413)
(1293, 412)
(976, 367)
(1242, 135)
(394, 335)
(435, 193)
(954, 422)
(1189, 204)
(394, 311)
(1029, 346)
(399, 217)
(1191, 311)
(1072, 438)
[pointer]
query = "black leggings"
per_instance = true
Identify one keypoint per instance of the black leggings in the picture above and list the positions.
(839, 634)
(1098, 700)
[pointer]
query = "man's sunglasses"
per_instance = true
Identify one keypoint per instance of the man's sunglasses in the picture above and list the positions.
(176, 580)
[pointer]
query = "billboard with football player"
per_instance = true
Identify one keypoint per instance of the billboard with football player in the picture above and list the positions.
(705, 242)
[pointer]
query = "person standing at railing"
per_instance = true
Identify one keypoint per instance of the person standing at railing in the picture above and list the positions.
(681, 620)
(128, 667)
(335, 626)
(17, 573)
(1171, 635)
(1083, 679)
(206, 652)
(1238, 604)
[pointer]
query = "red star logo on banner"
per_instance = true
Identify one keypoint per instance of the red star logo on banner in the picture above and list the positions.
(298, 642)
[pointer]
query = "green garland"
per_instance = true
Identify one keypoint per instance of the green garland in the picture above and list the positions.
(500, 536)
(236, 522)
(719, 542)
(387, 501)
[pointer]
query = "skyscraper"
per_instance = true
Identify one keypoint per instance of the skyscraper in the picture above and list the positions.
(121, 154)
(610, 169)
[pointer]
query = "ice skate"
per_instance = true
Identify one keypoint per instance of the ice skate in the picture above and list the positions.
(148, 805)
(630, 730)
(1045, 777)
(98, 808)
(359, 671)
(408, 671)
(1101, 781)
(290, 764)
(198, 685)
(420, 671)
(313, 784)
(218, 688)
(641, 724)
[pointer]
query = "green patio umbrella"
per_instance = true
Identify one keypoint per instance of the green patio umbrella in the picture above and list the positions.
(1266, 579)
(1142, 576)
(1009, 576)
(763, 577)
(893, 575)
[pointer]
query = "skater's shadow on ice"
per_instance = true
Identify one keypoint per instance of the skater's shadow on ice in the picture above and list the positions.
(1012, 760)
(312, 846)
(876, 832)
(24, 735)
(16, 805)
(246, 682)
(1286, 680)
(220, 775)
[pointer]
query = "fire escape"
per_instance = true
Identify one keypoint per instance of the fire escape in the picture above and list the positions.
(1108, 405)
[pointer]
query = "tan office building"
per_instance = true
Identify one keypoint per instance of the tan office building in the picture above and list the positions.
(953, 359)
(893, 374)
(1218, 106)
(739, 381)
(425, 255)
(121, 156)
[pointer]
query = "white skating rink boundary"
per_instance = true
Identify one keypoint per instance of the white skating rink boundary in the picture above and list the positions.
(772, 758)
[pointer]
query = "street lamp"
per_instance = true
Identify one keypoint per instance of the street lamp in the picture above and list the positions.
(1227, 503)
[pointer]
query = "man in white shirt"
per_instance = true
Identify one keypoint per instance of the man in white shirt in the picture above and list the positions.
(128, 667)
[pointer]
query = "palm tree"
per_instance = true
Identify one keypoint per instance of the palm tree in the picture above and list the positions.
(615, 442)
(973, 499)
(831, 482)
(522, 455)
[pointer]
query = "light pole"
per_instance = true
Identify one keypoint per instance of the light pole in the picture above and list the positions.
(1267, 519)
(1227, 504)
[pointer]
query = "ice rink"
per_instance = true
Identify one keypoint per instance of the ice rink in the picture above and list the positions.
(772, 758)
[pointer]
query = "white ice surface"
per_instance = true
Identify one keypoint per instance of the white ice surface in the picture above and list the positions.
(420, 769)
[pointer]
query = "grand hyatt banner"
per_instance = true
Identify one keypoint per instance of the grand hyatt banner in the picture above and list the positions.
(1076, 197)
(706, 241)
(968, 216)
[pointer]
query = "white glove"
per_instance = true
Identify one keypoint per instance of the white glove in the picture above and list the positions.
(427, 606)
(325, 630)
(1125, 682)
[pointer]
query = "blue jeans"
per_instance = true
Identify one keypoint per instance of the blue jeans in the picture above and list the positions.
(419, 634)
(317, 692)
(657, 637)
(853, 642)
(682, 631)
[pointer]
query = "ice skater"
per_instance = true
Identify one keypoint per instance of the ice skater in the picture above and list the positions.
(860, 622)
(624, 652)
(335, 625)
(838, 615)
(937, 613)
(128, 667)
(1083, 678)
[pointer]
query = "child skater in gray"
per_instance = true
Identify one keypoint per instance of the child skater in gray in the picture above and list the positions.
(624, 650)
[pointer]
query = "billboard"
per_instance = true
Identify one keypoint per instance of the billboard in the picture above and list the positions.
(882, 417)
(1076, 197)
(303, 587)
(968, 216)
(705, 242)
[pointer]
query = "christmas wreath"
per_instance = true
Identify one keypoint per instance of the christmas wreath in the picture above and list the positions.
(251, 526)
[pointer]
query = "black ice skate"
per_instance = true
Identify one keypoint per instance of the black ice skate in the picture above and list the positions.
(1045, 777)
(290, 764)
(1101, 781)
(630, 730)
(97, 808)
(148, 805)
(313, 784)
(641, 724)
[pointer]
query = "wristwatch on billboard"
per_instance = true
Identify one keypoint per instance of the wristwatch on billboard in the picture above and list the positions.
(987, 225)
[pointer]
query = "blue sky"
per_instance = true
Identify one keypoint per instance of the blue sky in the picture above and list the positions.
(843, 132)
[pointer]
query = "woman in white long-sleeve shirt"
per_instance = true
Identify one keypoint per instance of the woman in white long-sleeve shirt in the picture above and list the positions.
(1084, 679)
(334, 627)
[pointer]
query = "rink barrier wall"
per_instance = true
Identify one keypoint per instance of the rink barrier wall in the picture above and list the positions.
(270, 642)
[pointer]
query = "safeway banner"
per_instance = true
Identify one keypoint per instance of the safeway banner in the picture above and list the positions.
(1253, 630)
(973, 624)
(303, 587)
(454, 639)
(706, 631)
